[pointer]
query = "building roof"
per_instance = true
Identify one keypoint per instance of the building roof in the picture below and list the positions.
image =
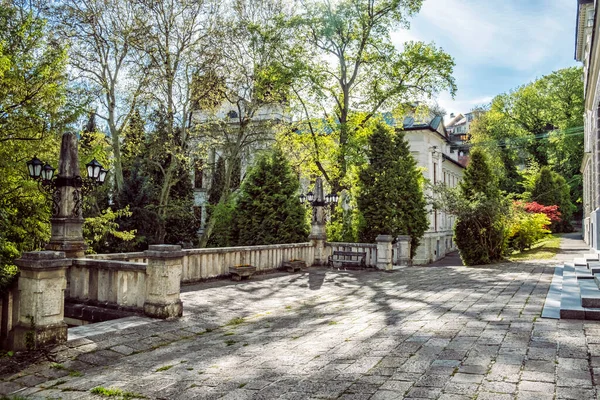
(580, 28)
(445, 157)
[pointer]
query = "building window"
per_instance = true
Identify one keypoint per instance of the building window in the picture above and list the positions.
(232, 114)
(198, 173)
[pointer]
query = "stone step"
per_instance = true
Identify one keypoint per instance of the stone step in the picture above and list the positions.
(590, 299)
(591, 257)
(552, 304)
(593, 264)
(583, 272)
(597, 280)
(580, 261)
(590, 295)
(570, 297)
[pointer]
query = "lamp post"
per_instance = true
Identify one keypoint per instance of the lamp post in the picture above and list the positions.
(318, 202)
(66, 191)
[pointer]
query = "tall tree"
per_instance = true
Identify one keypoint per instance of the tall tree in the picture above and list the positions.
(268, 210)
(32, 114)
(391, 198)
(480, 231)
(551, 189)
(354, 72)
(174, 47)
(250, 84)
(101, 36)
(540, 122)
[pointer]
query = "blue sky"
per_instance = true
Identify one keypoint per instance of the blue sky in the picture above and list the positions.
(497, 45)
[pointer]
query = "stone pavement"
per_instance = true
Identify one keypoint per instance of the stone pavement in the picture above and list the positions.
(441, 333)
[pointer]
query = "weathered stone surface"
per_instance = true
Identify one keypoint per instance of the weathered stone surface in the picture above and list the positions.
(283, 336)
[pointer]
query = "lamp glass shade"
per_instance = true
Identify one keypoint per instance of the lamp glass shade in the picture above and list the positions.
(34, 167)
(310, 196)
(334, 198)
(328, 198)
(47, 172)
(302, 198)
(93, 169)
(102, 175)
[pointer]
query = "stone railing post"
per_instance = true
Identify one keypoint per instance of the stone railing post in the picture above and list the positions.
(163, 281)
(402, 251)
(42, 282)
(384, 252)
(318, 235)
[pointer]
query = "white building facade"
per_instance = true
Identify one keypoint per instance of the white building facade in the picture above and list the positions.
(431, 147)
(587, 51)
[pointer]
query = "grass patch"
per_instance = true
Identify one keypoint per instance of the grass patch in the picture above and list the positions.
(242, 385)
(75, 373)
(230, 342)
(165, 368)
(332, 323)
(57, 366)
(229, 334)
(108, 392)
(235, 321)
(543, 250)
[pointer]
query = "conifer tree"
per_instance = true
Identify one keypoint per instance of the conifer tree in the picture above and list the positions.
(391, 199)
(549, 189)
(479, 232)
(268, 210)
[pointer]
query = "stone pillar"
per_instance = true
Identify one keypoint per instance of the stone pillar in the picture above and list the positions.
(384, 252)
(163, 281)
(318, 235)
(42, 283)
(402, 251)
(67, 200)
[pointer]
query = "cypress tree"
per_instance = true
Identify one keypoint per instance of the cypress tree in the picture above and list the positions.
(268, 210)
(390, 198)
(479, 233)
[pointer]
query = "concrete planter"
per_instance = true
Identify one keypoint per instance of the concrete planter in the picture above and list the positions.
(242, 272)
(293, 266)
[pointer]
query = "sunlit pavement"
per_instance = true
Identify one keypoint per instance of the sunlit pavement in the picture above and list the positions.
(449, 332)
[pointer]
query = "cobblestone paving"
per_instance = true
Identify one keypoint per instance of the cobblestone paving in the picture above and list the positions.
(435, 333)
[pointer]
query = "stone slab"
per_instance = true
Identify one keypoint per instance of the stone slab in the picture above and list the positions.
(570, 300)
(552, 304)
(101, 328)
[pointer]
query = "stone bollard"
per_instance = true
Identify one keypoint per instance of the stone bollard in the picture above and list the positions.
(403, 251)
(384, 252)
(163, 281)
(42, 282)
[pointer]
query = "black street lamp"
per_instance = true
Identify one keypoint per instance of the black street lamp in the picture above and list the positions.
(66, 190)
(330, 199)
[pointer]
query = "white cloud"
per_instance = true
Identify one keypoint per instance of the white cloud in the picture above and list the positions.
(503, 33)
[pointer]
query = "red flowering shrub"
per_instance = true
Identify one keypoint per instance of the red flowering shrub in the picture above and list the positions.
(535, 208)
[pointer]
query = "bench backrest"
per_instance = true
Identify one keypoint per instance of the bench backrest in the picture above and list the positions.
(350, 254)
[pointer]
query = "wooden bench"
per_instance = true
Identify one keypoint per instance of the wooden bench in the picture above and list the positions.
(348, 259)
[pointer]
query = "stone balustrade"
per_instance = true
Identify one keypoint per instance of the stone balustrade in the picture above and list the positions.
(201, 264)
(107, 282)
(136, 257)
(370, 249)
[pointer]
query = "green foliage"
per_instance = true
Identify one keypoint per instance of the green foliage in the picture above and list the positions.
(480, 232)
(223, 234)
(549, 188)
(369, 75)
(540, 122)
(268, 210)
(97, 229)
(391, 199)
(217, 182)
(526, 229)
(32, 111)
